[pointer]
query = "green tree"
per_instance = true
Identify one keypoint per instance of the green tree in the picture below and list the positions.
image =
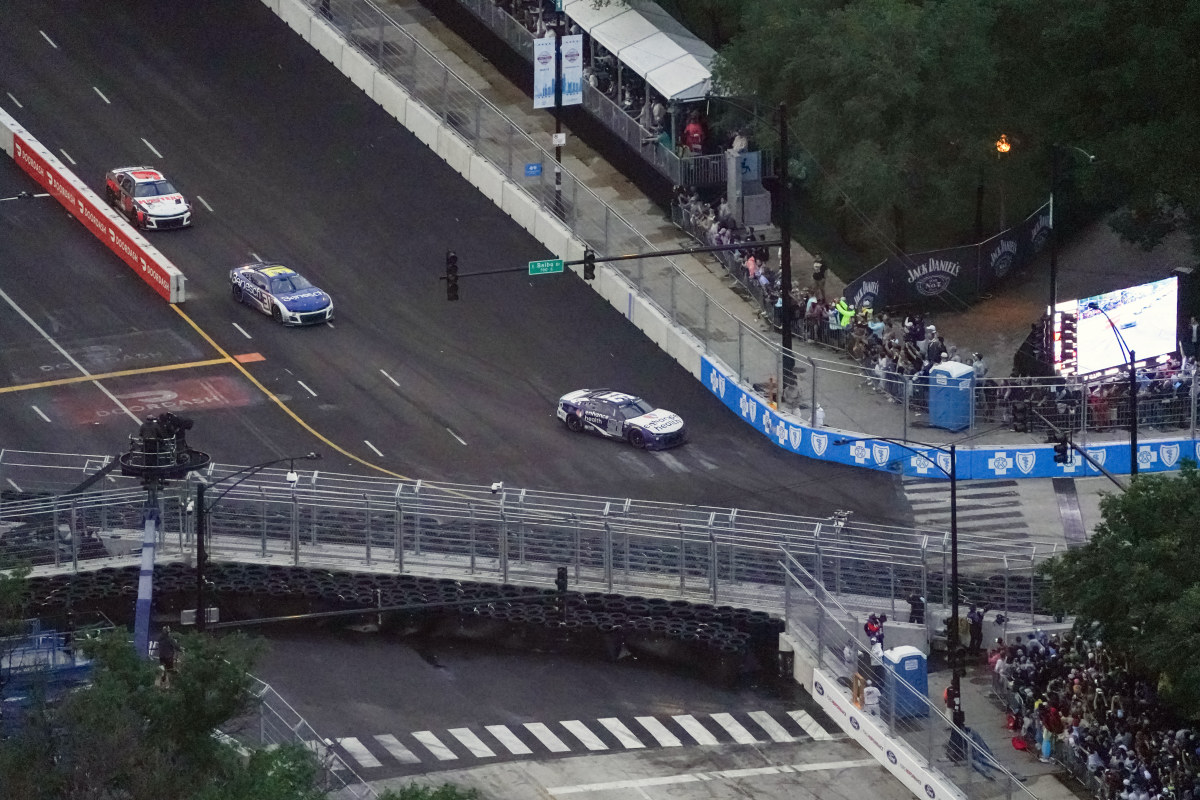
(1136, 583)
(893, 104)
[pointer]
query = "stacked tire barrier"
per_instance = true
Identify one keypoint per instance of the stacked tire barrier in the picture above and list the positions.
(721, 643)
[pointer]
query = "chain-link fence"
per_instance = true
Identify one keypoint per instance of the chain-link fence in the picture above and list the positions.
(718, 555)
(831, 637)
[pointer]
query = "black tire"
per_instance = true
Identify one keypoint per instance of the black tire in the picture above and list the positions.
(133, 219)
(109, 196)
(637, 439)
(237, 292)
(575, 423)
(276, 314)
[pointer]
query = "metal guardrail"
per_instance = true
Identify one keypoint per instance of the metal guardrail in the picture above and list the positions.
(274, 722)
(829, 633)
(710, 554)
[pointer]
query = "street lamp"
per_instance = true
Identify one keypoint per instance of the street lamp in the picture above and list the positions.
(202, 512)
(1002, 147)
(1133, 388)
(1091, 159)
(953, 641)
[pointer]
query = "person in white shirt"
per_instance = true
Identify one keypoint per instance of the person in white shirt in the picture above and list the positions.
(871, 698)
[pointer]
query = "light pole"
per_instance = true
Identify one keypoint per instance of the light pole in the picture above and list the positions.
(1002, 147)
(953, 641)
(202, 512)
(1133, 389)
(1091, 159)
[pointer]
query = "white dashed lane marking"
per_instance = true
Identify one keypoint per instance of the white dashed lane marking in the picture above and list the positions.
(734, 728)
(472, 742)
(694, 729)
(581, 732)
(102, 97)
(48, 39)
(40, 413)
(659, 731)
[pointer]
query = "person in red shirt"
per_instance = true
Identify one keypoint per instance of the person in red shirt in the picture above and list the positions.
(693, 134)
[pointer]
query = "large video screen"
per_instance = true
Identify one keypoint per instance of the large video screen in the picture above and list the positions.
(1144, 316)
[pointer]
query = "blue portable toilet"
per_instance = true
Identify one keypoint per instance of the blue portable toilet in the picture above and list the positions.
(908, 663)
(950, 394)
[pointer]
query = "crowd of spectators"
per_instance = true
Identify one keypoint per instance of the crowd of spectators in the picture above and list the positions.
(1079, 703)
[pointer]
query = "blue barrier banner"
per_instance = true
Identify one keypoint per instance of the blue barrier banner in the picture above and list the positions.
(915, 460)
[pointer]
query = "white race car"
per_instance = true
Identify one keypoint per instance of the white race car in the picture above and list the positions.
(616, 415)
(147, 198)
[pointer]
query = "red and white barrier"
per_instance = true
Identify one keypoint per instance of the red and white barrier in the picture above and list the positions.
(89, 208)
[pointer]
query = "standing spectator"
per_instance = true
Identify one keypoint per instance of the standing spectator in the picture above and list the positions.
(1191, 340)
(975, 626)
(740, 143)
(167, 650)
(819, 270)
(693, 134)
(871, 699)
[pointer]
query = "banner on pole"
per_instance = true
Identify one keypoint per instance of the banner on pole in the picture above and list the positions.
(572, 70)
(543, 72)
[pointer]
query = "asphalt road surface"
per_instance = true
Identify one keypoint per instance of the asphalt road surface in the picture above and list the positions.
(296, 164)
(419, 705)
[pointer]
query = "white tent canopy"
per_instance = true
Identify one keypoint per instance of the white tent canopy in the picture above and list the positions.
(647, 40)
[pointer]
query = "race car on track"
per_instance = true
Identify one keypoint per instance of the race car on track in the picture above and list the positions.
(147, 198)
(282, 293)
(617, 415)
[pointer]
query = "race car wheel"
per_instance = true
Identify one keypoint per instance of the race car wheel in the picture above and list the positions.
(575, 423)
(109, 196)
(637, 439)
(237, 292)
(276, 314)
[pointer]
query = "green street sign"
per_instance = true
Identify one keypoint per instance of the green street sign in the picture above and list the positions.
(546, 267)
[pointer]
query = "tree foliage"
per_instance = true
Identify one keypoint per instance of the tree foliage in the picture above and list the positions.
(126, 736)
(897, 105)
(1136, 583)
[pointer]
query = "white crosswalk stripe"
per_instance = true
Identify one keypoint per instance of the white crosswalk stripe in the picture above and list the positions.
(397, 750)
(590, 740)
(810, 726)
(434, 745)
(659, 731)
(472, 742)
(983, 505)
(596, 735)
(509, 739)
(695, 729)
(358, 751)
(734, 728)
(773, 728)
(623, 734)
(547, 737)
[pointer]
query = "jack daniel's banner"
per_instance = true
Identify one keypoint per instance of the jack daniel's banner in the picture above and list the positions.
(955, 275)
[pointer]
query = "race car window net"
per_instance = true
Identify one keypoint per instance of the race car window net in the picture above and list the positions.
(153, 189)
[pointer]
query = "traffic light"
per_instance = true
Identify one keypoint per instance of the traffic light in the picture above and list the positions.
(1069, 336)
(1062, 450)
(451, 275)
(561, 580)
(1020, 415)
(589, 265)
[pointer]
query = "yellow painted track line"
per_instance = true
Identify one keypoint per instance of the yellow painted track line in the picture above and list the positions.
(225, 357)
(24, 387)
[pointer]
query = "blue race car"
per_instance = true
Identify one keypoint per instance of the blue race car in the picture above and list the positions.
(616, 415)
(282, 293)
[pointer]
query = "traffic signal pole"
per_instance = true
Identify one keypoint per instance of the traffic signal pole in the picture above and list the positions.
(595, 259)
